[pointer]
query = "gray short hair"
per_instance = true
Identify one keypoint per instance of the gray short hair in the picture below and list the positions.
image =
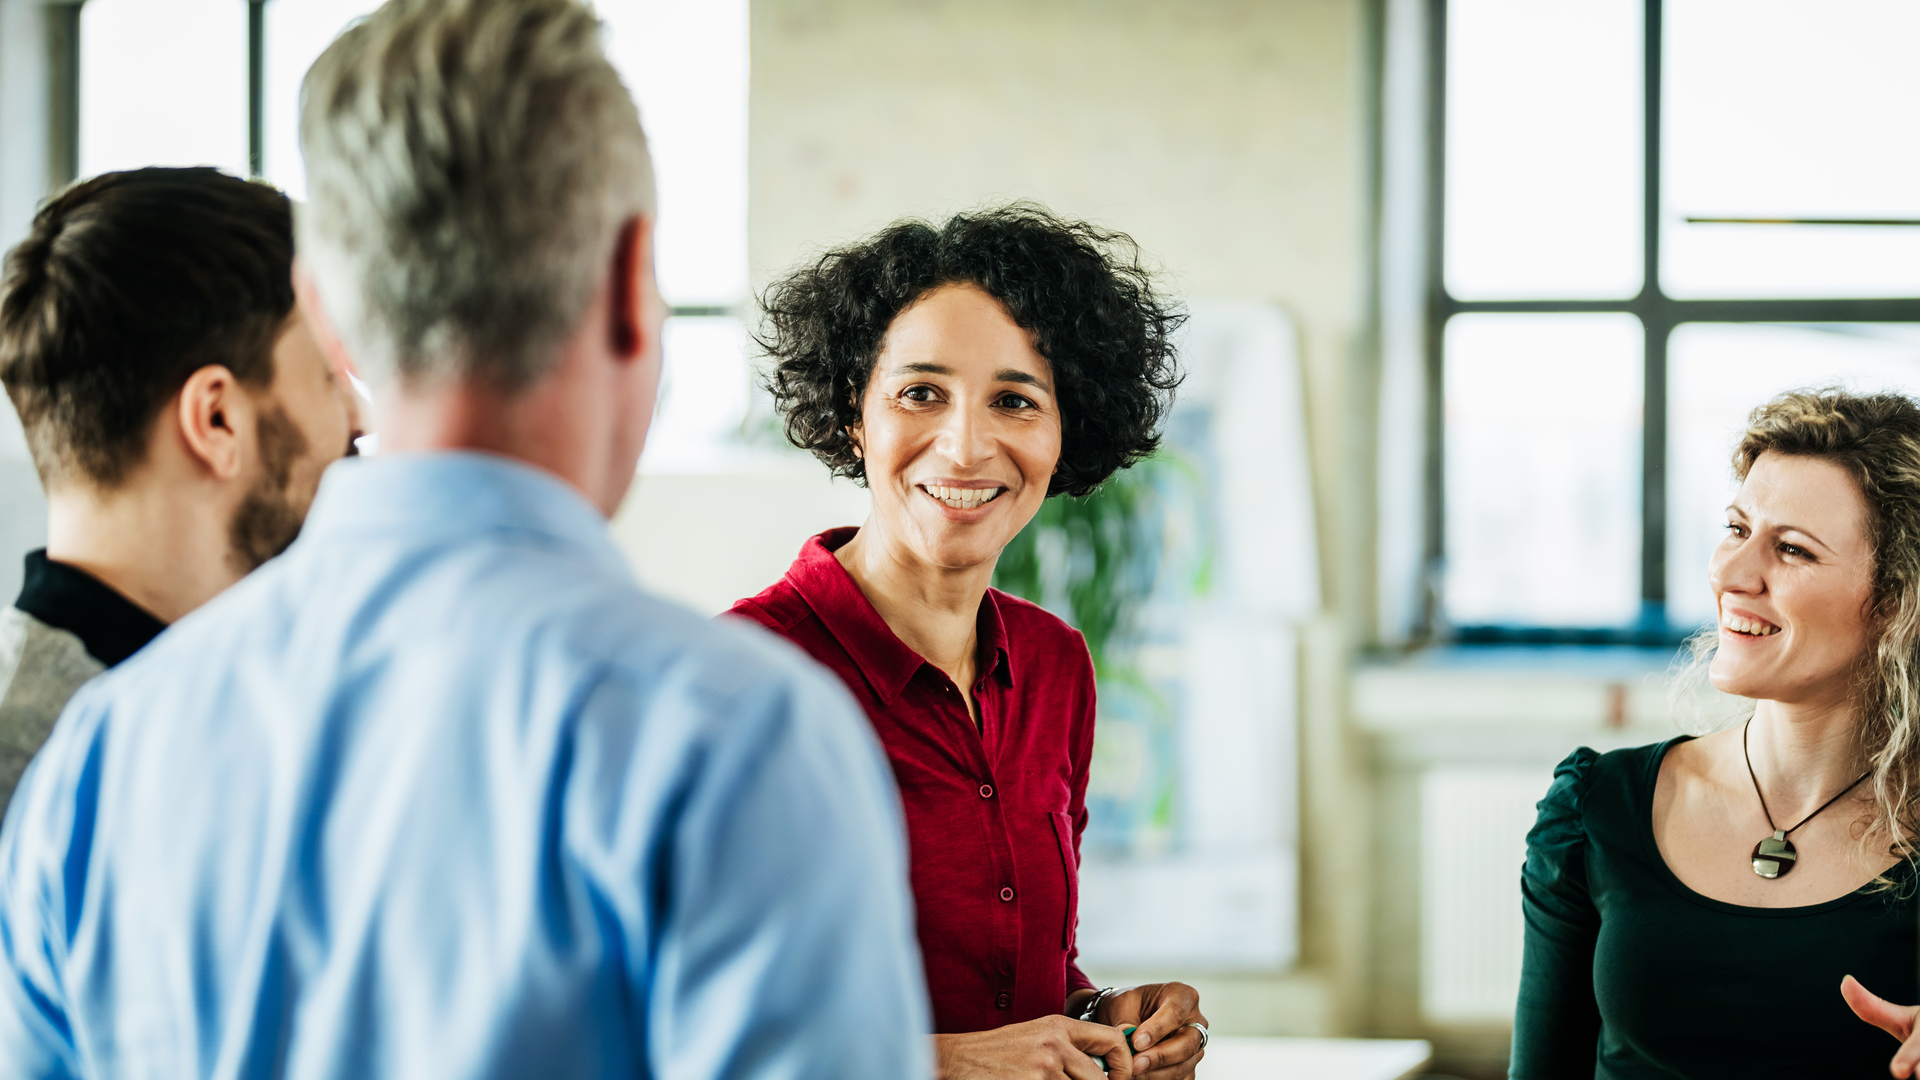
(469, 163)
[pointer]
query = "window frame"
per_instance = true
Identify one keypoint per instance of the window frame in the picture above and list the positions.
(1658, 313)
(64, 133)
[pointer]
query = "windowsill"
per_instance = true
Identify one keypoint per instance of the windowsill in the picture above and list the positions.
(1613, 661)
(1527, 693)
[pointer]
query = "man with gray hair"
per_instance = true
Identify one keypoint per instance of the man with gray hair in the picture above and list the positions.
(440, 792)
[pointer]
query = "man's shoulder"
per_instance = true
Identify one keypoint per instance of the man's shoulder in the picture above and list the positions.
(728, 686)
(40, 668)
(778, 607)
(499, 620)
(732, 659)
(504, 605)
(635, 628)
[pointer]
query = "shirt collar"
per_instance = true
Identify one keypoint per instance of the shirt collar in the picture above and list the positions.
(886, 661)
(454, 494)
(65, 597)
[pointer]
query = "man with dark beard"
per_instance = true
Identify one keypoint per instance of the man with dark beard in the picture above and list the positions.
(178, 411)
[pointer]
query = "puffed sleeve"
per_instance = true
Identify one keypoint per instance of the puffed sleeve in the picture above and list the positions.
(1556, 1025)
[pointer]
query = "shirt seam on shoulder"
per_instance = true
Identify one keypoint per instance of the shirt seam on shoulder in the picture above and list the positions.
(784, 623)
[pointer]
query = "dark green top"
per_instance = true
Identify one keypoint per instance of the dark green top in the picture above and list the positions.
(1630, 974)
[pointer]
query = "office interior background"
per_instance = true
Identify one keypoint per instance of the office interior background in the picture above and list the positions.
(1481, 293)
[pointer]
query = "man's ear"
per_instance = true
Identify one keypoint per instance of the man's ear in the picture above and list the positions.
(632, 286)
(212, 411)
(306, 291)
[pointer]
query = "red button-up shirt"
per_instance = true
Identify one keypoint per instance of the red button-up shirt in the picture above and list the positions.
(994, 813)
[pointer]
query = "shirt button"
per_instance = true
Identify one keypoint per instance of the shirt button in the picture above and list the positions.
(1004, 1001)
(1006, 893)
(986, 791)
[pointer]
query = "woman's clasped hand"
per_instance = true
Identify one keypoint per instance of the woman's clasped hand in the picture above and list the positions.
(1051, 1046)
(1164, 1044)
(1167, 1045)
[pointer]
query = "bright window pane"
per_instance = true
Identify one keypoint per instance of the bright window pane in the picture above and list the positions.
(687, 66)
(1780, 109)
(1544, 170)
(298, 31)
(1543, 430)
(1716, 374)
(163, 82)
(705, 390)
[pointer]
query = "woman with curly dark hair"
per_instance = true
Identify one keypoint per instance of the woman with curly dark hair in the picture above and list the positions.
(965, 373)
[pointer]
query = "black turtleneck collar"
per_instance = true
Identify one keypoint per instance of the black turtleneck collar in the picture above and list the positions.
(68, 598)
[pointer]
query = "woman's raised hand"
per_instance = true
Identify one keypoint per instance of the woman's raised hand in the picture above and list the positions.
(1044, 1049)
(1164, 1047)
(1895, 1020)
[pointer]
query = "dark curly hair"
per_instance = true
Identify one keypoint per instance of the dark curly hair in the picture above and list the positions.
(1082, 292)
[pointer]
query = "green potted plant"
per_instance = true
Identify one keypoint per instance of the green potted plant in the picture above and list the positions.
(1141, 543)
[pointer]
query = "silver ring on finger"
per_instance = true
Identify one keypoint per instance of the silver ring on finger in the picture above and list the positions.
(1202, 1029)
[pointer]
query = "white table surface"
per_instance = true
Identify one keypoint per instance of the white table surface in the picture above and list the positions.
(1244, 1058)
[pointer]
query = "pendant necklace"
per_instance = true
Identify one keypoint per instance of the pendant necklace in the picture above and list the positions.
(1774, 857)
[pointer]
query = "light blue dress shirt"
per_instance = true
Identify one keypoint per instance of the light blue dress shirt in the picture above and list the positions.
(441, 792)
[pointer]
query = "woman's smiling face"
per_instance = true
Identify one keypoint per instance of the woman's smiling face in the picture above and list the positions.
(959, 429)
(1793, 579)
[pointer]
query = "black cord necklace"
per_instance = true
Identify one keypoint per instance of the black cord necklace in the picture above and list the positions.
(1774, 857)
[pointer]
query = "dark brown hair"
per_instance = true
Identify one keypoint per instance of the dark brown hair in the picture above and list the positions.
(127, 284)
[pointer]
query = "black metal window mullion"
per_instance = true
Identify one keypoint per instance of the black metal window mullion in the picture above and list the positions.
(1658, 313)
(63, 47)
(1437, 311)
(62, 29)
(256, 88)
(1656, 322)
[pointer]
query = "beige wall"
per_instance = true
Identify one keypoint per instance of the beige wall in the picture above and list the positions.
(1226, 136)
(1229, 138)
(709, 539)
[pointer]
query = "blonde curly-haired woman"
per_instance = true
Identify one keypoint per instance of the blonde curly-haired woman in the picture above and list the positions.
(1692, 907)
